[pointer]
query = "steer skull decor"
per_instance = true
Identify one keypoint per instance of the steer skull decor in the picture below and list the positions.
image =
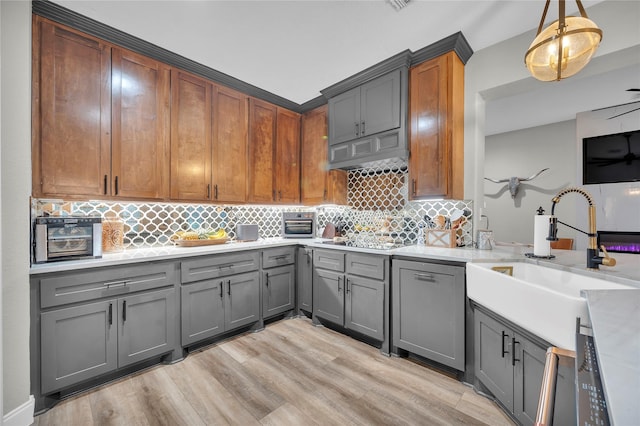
(514, 182)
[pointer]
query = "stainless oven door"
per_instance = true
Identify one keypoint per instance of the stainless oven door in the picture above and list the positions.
(297, 228)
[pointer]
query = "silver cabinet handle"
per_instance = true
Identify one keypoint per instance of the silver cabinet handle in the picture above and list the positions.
(428, 277)
(113, 284)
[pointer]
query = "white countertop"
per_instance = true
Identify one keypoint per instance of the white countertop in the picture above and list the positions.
(627, 271)
(615, 318)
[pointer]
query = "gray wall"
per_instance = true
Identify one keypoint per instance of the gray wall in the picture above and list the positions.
(15, 124)
(523, 153)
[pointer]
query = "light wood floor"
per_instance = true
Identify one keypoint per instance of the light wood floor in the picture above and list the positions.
(291, 373)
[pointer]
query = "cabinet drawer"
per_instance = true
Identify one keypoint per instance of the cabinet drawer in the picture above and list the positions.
(278, 257)
(82, 286)
(219, 266)
(366, 265)
(329, 259)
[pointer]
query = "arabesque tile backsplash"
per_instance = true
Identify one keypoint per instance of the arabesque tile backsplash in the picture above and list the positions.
(376, 195)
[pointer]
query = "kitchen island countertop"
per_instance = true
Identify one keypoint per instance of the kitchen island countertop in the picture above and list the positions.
(615, 321)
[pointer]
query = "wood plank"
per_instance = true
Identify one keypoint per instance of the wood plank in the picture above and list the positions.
(288, 374)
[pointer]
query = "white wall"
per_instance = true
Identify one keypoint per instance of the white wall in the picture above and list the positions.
(617, 204)
(15, 139)
(523, 153)
(498, 71)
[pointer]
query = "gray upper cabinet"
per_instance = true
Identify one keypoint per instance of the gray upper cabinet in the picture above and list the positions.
(429, 311)
(368, 122)
(344, 117)
(371, 108)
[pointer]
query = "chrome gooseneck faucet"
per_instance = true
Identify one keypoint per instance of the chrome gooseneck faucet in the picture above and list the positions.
(593, 254)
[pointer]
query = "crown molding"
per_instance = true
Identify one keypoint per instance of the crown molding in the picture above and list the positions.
(455, 42)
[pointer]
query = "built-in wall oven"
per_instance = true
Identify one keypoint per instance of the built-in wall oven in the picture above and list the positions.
(298, 224)
(66, 238)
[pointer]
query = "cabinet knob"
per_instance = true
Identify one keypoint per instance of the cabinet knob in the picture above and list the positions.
(357, 129)
(362, 132)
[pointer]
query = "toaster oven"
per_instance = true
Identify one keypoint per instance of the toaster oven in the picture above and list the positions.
(66, 238)
(298, 224)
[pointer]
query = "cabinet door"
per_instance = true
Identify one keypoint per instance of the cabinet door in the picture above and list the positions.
(71, 113)
(77, 343)
(436, 163)
(304, 280)
(313, 171)
(140, 126)
(529, 371)
(380, 104)
(328, 295)
(278, 290)
(430, 154)
(190, 137)
(202, 310)
(364, 306)
(242, 304)
(146, 325)
(429, 311)
(262, 139)
(230, 127)
(287, 160)
(344, 116)
(493, 353)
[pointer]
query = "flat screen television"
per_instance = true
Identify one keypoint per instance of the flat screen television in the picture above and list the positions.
(611, 158)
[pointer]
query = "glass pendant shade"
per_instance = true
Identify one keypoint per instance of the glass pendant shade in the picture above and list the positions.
(563, 48)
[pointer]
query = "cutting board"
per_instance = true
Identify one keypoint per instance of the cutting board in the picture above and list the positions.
(329, 231)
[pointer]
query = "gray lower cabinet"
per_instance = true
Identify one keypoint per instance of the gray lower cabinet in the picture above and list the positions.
(429, 311)
(219, 293)
(304, 278)
(278, 281)
(511, 366)
(80, 335)
(77, 343)
(351, 289)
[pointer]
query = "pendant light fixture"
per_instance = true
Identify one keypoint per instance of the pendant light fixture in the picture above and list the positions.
(564, 47)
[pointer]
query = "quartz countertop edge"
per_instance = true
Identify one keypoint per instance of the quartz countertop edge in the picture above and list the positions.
(626, 272)
(154, 254)
(615, 321)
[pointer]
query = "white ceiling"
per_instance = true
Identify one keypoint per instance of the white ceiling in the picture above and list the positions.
(296, 48)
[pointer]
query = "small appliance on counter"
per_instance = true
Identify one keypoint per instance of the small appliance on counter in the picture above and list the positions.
(67, 238)
(247, 232)
(298, 224)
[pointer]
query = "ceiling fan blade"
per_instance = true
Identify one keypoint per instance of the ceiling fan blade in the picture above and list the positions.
(615, 116)
(633, 90)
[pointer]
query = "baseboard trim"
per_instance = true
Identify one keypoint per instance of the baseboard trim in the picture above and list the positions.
(22, 415)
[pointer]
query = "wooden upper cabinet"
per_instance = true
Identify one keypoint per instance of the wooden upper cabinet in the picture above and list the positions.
(140, 126)
(191, 99)
(287, 160)
(100, 118)
(71, 131)
(436, 163)
(230, 127)
(318, 185)
(262, 139)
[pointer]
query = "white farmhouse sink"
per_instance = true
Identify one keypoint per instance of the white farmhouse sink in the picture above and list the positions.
(545, 301)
